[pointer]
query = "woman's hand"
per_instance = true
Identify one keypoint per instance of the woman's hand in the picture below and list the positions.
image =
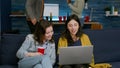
(30, 54)
(34, 21)
(68, 1)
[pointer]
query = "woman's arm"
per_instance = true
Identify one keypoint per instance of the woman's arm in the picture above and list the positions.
(23, 50)
(53, 54)
(77, 6)
(30, 54)
(42, 10)
(29, 6)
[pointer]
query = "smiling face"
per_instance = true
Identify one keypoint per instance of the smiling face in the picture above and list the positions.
(49, 33)
(73, 27)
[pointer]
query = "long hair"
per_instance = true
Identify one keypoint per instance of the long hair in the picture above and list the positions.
(66, 33)
(39, 34)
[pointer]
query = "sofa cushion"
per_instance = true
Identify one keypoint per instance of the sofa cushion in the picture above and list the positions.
(9, 46)
(0, 47)
(56, 38)
(8, 66)
(115, 64)
(106, 45)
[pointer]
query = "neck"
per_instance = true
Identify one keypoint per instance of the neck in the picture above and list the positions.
(74, 37)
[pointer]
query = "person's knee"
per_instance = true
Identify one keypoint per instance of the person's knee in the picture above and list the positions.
(46, 58)
(38, 66)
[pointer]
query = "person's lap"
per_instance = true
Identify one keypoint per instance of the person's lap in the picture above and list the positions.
(35, 62)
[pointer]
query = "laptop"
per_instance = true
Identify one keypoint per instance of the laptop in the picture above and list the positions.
(75, 55)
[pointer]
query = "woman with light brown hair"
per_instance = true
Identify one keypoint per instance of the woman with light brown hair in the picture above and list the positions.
(28, 53)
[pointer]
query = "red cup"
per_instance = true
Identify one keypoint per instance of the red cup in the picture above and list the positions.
(41, 50)
(64, 18)
(60, 19)
(87, 18)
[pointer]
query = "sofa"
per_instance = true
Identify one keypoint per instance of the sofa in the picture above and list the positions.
(9, 45)
(106, 44)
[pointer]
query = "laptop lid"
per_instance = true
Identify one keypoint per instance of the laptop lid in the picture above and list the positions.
(75, 55)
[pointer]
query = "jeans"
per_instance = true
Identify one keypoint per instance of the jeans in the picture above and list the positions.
(31, 26)
(82, 21)
(35, 62)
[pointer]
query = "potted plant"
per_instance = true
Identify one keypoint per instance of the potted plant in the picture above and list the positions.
(107, 10)
(115, 11)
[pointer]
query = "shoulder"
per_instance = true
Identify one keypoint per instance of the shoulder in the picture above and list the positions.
(62, 39)
(84, 35)
(52, 44)
(85, 39)
(30, 36)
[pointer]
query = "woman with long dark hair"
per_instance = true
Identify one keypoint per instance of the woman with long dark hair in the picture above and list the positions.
(74, 36)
